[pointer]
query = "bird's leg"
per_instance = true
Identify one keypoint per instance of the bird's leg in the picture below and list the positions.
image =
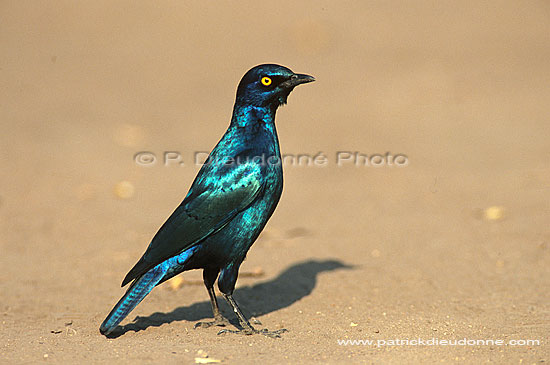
(247, 328)
(219, 320)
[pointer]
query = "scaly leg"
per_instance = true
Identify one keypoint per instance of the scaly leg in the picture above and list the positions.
(209, 277)
(247, 328)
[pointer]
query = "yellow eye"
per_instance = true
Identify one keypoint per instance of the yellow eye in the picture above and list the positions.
(266, 81)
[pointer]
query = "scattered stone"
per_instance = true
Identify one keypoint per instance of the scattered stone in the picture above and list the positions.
(256, 272)
(124, 190)
(494, 213)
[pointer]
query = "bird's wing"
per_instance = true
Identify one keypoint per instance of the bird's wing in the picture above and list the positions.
(217, 196)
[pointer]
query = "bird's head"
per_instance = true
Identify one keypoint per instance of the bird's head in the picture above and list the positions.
(269, 85)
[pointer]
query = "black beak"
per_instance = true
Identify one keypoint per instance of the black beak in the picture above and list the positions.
(297, 79)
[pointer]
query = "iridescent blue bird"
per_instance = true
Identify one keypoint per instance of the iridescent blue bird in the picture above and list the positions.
(227, 206)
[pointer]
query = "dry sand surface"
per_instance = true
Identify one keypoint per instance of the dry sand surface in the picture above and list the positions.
(455, 245)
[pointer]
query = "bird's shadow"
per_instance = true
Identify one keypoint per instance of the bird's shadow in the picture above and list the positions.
(291, 285)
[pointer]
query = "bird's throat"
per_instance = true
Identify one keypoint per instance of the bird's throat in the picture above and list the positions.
(248, 115)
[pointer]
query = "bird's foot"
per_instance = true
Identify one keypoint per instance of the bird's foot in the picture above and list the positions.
(219, 321)
(253, 331)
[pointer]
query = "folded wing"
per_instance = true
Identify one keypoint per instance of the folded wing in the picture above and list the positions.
(211, 203)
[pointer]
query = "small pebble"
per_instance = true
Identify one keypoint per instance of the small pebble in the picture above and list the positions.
(124, 190)
(256, 272)
(202, 358)
(128, 135)
(84, 191)
(205, 360)
(176, 282)
(494, 213)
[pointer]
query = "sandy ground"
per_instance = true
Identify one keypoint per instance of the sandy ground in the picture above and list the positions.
(452, 246)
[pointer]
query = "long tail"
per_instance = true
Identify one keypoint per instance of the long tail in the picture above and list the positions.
(135, 294)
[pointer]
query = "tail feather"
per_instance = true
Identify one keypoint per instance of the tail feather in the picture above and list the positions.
(135, 294)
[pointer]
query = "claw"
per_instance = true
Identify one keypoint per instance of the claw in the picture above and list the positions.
(218, 321)
(252, 331)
